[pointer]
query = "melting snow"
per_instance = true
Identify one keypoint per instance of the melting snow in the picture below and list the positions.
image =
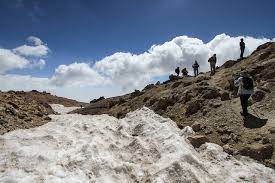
(143, 147)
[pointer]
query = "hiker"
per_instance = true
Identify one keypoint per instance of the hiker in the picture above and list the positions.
(184, 72)
(212, 60)
(196, 68)
(242, 48)
(246, 89)
(177, 71)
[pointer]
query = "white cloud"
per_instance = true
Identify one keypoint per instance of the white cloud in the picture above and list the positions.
(76, 74)
(10, 61)
(23, 56)
(35, 40)
(123, 72)
(135, 71)
(32, 51)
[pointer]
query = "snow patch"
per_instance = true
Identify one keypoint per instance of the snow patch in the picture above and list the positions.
(139, 148)
(61, 109)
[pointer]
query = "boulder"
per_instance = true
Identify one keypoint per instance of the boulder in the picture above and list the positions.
(258, 151)
(258, 95)
(211, 94)
(193, 107)
(198, 140)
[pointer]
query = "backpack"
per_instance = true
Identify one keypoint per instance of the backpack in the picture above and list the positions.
(248, 83)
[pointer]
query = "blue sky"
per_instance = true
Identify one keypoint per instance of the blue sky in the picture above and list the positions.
(89, 30)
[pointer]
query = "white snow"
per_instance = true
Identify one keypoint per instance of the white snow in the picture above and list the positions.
(143, 147)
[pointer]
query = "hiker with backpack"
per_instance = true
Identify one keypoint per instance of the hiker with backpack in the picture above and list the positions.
(213, 60)
(242, 48)
(184, 72)
(196, 68)
(177, 71)
(245, 90)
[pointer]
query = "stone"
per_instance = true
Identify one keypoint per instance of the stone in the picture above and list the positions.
(211, 94)
(196, 127)
(225, 96)
(198, 140)
(258, 95)
(228, 149)
(258, 151)
(225, 138)
(265, 140)
(193, 107)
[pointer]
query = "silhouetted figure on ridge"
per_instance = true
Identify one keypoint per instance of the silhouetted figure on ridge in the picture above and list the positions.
(213, 60)
(177, 71)
(196, 68)
(184, 72)
(242, 48)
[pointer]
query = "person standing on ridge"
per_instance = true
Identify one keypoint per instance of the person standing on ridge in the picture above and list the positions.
(246, 89)
(242, 48)
(196, 68)
(213, 60)
(177, 71)
(184, 72)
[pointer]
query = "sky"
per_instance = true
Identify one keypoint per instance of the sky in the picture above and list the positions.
(90, 48)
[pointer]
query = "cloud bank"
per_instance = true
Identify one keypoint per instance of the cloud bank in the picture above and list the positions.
(121, 72)
(131, 71)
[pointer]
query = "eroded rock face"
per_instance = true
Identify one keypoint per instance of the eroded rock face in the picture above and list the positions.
(17, 112)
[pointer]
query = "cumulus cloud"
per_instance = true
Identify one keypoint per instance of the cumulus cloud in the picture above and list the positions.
(25, 56)
(10, 61)
(32, 51)
(76, 74)
(123, 72)
(135, 71)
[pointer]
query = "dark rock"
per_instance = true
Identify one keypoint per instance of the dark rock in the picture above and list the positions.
(198, 140)
(176, 84)
(96, 100)
(211, 94)
(228, 149)
(229, 64)
(265, 140)
(258, 95)
(148, 87)
(225, 138)
(196, 127)
(136, 93)
(193, 107)
(258, 151)
(225, 96)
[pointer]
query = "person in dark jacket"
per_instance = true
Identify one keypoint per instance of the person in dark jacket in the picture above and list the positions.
(177, 71)
(196, 68)
(242, 48)
(184, 72)
(246, 89)
(213, 60)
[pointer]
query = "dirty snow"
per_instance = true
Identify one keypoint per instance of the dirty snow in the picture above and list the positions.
(61, 109)
(143, 147)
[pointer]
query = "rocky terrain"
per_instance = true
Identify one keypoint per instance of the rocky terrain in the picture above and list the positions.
(209, 104)
(22, 110)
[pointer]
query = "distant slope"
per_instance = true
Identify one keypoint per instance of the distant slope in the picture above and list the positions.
(20, 110)
(52, 99)
(211, 102)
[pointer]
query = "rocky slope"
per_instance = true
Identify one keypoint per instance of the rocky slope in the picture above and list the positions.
(209, 104)
(21, 110)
